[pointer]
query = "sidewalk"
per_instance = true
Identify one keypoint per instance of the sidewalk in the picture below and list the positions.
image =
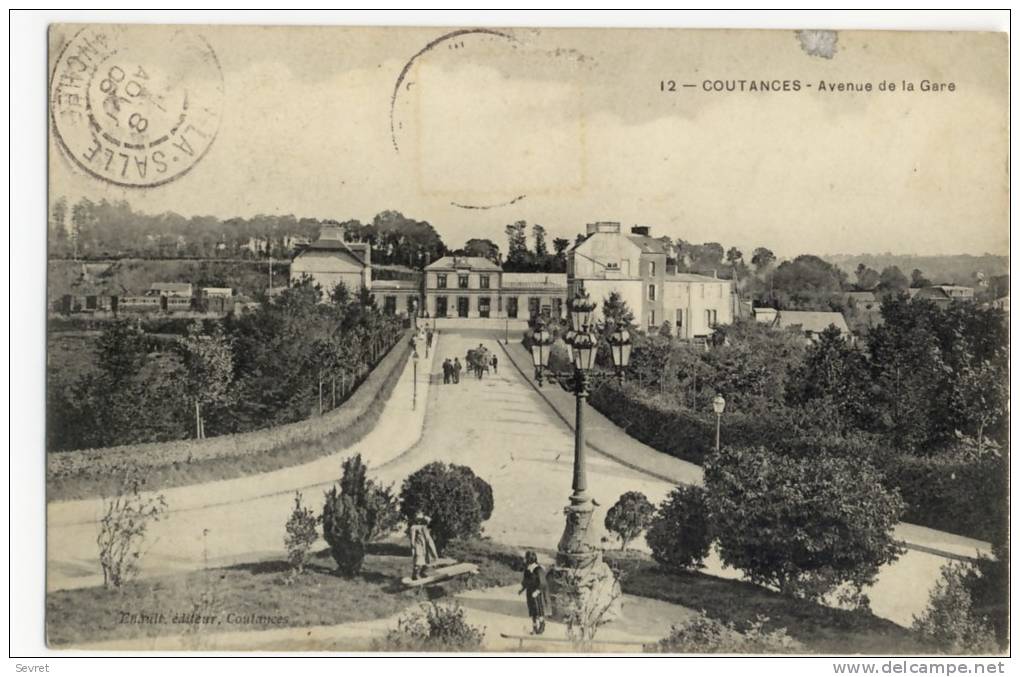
(605, 437)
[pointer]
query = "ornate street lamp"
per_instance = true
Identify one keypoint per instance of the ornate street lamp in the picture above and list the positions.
(541, 347)
(718, 406)
(578, 556)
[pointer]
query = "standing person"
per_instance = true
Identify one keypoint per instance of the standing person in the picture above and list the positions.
(456, 369)
(447, 370)
(534, 585)
(423, 548)
(495, 364)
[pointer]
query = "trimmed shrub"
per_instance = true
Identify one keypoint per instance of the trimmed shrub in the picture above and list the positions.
(448, 496)
(434, 627)
(629, 517)
(805, 526)
(482, 488)
(949, 623)
(353, 516)
(680, 535)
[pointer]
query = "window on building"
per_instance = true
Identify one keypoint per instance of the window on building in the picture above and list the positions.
(679, 318)
(462, 281)
(651, 318)
(534, 305)
(710, 317)
(651, 267)
(441, 281)
(651, 292)
(483, 281)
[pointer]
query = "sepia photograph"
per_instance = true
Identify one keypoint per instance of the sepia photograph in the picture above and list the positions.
(526, 340)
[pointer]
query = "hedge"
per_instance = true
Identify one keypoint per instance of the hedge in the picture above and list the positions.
(86, 472)
(958, 495)
(954, 494)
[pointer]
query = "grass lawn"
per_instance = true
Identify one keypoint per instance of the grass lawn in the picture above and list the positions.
(819, 628)
(231, 596)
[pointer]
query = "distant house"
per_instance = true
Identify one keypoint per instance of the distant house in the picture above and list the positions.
(330, 261)
(944, 294)
(810, 323)
(1001, 304)
(218, 292)
(170, 289)
(861, 300)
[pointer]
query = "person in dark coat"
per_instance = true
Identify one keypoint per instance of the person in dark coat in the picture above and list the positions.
(495, 365)
(447, 370)
(534, 585)
(456, 369)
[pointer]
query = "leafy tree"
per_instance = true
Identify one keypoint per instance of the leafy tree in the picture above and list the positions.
(734, 256)
(538, 232)
(208, 369)
(762, 259)
(680, 533)
(560, 246)
(918, 280)
(892, 280)
(867, 278)
(121, 351)
(666, 329)
(803, 525)
(448, 497)
(807, 274)
(834, 372)
(517, 254)
(482, 247)
(629, 516)
(616, 311)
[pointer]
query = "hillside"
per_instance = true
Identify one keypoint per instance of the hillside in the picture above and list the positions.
(955, 269)
(133, 276)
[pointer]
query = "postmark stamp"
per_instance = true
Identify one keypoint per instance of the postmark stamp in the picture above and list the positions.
(134, 109)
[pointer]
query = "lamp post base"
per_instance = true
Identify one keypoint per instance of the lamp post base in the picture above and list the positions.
(584, 590)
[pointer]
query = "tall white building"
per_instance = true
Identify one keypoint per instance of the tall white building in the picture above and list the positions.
(639, 268)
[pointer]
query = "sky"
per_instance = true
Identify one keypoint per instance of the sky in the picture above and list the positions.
(568, 126)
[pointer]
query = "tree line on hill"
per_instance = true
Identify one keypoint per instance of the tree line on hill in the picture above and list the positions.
(112, 229)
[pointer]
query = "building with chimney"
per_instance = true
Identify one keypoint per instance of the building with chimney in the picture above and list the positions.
(640, 269)
(330, 260)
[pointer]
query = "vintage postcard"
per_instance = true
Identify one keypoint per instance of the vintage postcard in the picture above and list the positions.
(527, 340)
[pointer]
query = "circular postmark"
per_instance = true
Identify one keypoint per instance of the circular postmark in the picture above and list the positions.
(137, 106)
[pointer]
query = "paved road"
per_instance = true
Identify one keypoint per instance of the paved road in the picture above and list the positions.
(499, 426)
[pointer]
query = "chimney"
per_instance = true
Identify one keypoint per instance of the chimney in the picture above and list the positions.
(640, 230)
(331, 233)
(603, 227)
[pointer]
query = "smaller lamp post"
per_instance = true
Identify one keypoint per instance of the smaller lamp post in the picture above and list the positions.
(414, 387)
(541, 346)
(718, 405)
